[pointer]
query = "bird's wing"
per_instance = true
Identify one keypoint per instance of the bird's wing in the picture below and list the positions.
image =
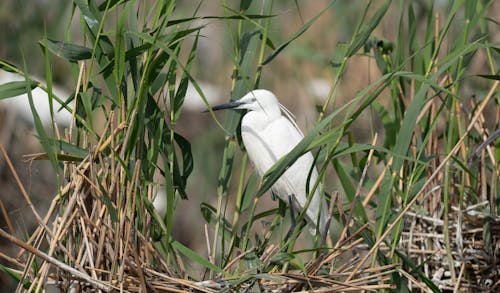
(291, 118)
(266, 145)
(283, 137)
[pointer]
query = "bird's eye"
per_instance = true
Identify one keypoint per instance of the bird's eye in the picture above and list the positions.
(253, 99)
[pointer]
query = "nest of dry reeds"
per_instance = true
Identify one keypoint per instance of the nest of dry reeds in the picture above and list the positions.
(89, 240)
(471, 242)
(97, 235)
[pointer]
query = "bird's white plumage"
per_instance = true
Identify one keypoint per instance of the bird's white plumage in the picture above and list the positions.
(268, 136)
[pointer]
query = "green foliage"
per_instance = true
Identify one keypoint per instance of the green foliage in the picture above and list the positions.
(138, 64)
(15, 88)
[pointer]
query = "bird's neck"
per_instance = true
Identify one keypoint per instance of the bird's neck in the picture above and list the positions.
(260, 119)
(272, 113)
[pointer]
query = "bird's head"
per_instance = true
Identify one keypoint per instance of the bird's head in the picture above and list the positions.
(257, 100)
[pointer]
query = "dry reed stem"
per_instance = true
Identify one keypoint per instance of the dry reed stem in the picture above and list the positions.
(375, 186)
(6, 218)
(95, 221)
(53, 261)
(429, 180)
(21, 187)
(414, 281)
(11, 260)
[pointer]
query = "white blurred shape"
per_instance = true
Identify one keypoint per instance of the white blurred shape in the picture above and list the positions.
(319, 88)
(194, 102)
(21, 105)
(160, 200)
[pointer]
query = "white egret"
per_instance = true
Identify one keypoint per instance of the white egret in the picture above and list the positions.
(268, 135)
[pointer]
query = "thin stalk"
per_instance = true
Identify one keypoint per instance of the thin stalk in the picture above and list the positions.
(249, 225)
(263, 43)
(343, 64)
(98, 36)
(237, 211)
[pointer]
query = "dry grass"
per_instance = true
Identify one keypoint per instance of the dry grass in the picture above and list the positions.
(79, 244)
(435, 195)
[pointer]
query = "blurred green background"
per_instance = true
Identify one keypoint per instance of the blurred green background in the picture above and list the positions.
(301, 77)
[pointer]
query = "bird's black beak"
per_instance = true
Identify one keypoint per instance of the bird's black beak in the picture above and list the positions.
(230, 105)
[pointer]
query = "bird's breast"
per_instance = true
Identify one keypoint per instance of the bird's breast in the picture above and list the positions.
(266, 141)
